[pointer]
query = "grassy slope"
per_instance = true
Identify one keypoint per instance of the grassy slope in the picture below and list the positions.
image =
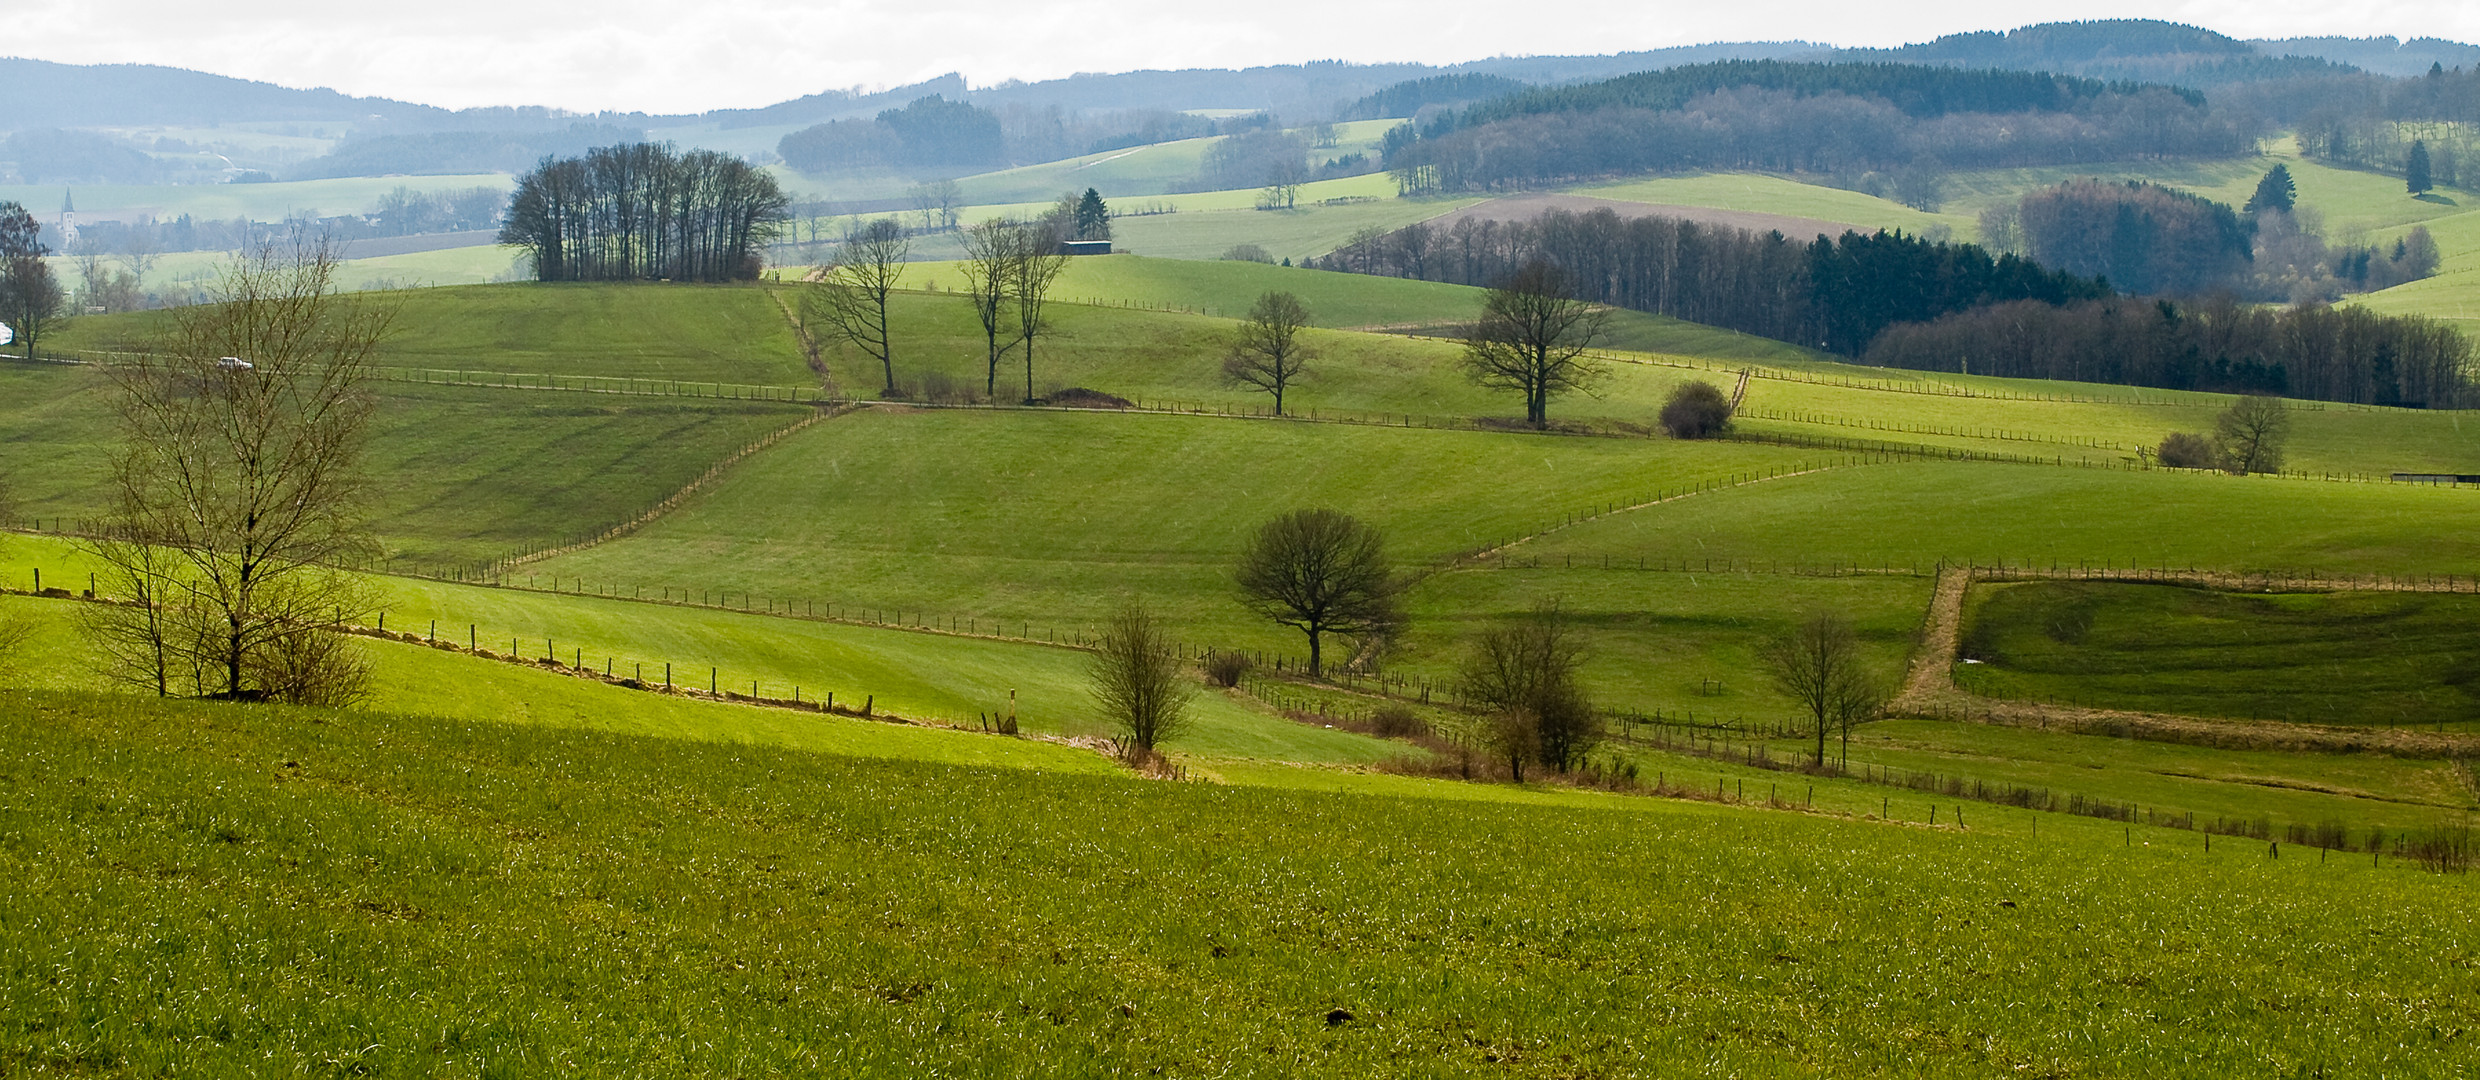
(1051, 517)
(258, 202)
(1779, 195)
(457, 475)
(393, 895)
(1913, 514)
(2373, 659)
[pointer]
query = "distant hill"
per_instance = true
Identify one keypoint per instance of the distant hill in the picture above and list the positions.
(2382, 55)
(2133, 50)
(42, 94)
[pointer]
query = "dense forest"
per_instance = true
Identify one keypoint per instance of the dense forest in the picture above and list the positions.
(1901, 301)
(642, 211)
(2313, 351)
(1807, 118)
(934, 135)
(1834, 294)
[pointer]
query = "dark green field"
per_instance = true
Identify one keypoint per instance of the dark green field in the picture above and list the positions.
(2356, 658)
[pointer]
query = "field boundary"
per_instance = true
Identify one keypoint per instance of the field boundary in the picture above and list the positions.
(1929, 691)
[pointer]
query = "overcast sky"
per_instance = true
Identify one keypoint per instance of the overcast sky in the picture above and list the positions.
(694, 55)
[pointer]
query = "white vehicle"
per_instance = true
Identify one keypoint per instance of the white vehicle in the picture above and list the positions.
(233, 363)
(6, 335)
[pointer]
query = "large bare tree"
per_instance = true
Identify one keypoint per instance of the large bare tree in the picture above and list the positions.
(1321, 572)
(852, 296)
(1818, 665)
(991, 250)
(237, 493)
(1137, 680)
(2251, 432)
(1267, 352)
(1035, 268)
(31, 298)
(1533, 337)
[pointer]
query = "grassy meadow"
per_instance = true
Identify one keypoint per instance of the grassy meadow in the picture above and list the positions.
(496, 900)
(2373, 659)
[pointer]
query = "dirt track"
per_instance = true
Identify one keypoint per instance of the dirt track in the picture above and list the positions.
(1528, 206)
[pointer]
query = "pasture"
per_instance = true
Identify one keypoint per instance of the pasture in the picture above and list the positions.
(491, 899)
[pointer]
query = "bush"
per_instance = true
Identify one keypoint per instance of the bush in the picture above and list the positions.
(1696, 410)
(2186, 450)
(1397, 722)
(1247, 253)
(1224, 669)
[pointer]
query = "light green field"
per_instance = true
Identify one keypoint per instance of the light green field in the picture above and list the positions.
(258, 889)
(1914, 514)
(223, 202)
(1051, 518)
(1779, 195)
(457, 476)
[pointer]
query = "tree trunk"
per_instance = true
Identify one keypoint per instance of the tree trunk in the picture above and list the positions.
(1313, 653)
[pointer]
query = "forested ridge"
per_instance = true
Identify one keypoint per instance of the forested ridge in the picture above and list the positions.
(1808, 118)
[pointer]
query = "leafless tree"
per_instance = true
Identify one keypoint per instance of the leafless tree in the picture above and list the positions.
(991, 251)
(1818, 665)
(1267, 353)
(852, 295)
(1037, 265)
(939, 202)
(2251, 433)
(138, 250)
(1533, 336)
(31, 299)
(1523, 676)
(236, 489)
(1321, 572)
(1283, 181)
(1137, 681)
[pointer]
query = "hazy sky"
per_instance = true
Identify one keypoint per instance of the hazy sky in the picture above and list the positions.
(693, 55)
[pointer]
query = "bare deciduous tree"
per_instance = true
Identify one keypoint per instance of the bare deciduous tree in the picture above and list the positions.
(1532, 338)
(1267, 352)
(1037, 264)
(852, 295)
(31, 298)
(2251, 432)
(1321, 572)
(236, 489)
(991, 250)
(1523, 675)
(1137, 681)
(939, 202)
(1818, 664)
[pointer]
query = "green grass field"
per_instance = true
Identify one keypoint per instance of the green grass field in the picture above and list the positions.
(2377, 659)
(1051, 517)
(374, 893)
(1913, 514)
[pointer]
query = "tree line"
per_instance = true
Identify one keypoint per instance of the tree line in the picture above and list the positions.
(1808, 118)
(1832, 293)
(642, 211)
(2314, 351)
(2147, 239)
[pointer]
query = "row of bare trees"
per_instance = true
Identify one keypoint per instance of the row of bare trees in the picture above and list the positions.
(1009, 268)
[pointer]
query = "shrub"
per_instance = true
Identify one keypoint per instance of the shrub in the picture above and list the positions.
(1224, 669)
(1397, 722)
(2187, 450)
(1696, 410)
(1247, 253)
